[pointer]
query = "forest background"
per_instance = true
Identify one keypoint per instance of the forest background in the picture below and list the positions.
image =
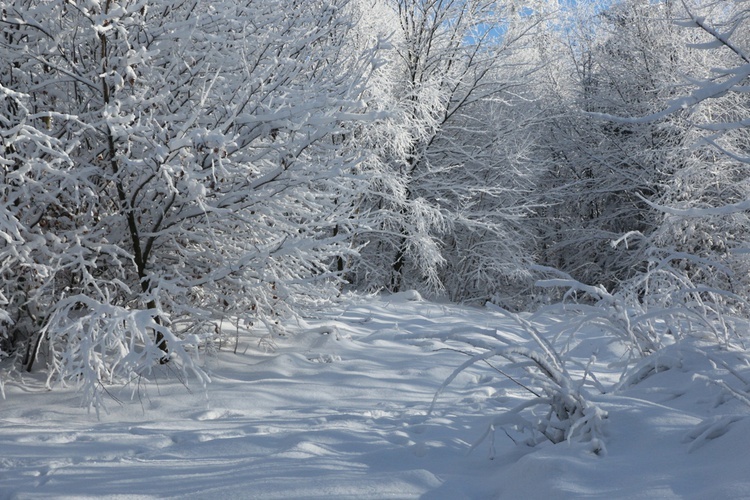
(170, 168)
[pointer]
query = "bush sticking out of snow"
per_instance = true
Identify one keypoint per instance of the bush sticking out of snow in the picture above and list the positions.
(655, 309)
(558, 407)
(91, 344)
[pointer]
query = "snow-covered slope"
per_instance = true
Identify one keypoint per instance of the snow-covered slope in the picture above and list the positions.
(340, 410)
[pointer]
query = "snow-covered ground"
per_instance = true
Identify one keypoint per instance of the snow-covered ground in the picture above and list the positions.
(341, 410)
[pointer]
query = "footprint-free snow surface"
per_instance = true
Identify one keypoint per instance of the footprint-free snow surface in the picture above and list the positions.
(340, 409)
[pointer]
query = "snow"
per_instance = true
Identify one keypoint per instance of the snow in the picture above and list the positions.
(339, 409)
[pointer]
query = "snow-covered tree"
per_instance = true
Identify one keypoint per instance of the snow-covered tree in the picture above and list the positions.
(449, 174)
(689, 270)
(165, 165)
(704, 205)
(622, 59)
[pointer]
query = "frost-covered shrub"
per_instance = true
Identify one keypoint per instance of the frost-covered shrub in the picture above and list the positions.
(94, 344)
(556, 407)
(657, 307)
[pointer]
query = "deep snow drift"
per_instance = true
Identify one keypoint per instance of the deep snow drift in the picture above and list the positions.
(340, 410)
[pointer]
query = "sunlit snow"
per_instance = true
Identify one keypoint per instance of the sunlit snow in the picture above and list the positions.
(340, 410)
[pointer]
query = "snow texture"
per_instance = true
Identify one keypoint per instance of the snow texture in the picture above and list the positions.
(341, 410)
